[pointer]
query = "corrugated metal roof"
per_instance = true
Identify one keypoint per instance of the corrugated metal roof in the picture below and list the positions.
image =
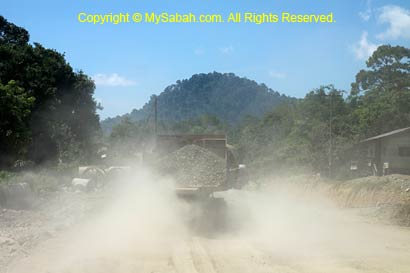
(387, 134)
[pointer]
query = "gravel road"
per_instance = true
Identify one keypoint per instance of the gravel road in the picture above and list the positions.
(273, 233)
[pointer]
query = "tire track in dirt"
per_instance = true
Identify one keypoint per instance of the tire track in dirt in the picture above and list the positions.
(182, 259)
(201, 258)
(234, 256)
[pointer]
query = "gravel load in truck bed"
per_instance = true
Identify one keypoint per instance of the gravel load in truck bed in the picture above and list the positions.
(194, 166)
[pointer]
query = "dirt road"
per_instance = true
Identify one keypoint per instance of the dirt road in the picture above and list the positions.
(216, 255)
(355, 246)
(272, 234)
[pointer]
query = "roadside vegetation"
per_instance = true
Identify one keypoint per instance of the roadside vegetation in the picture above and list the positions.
(48, 113)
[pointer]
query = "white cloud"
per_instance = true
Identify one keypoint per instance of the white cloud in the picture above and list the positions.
(398, 19)
(367, 14)
(227, 50)
(364, 48)
(112, 80)
(277, 75)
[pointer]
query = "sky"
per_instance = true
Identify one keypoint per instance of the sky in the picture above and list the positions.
(130, 62)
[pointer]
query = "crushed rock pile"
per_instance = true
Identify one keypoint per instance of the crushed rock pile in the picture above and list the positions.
(22, 230)
(194, 166)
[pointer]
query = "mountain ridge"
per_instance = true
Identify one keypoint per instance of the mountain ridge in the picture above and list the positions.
(224, 95)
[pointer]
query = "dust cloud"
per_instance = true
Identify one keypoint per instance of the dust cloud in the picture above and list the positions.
(300, 227)
(142, 216)
(144, 222)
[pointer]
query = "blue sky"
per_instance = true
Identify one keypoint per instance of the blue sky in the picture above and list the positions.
(132, 61)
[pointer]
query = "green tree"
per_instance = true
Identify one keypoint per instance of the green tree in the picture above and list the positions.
(62, 121)
(309, 133)
(380, 96)
(15, 108)
(129, 138)
(12, 34)
(205, 124)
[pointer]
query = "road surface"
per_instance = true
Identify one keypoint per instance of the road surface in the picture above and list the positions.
(283, 238)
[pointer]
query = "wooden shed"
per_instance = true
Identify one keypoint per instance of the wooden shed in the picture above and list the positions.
(388, 153)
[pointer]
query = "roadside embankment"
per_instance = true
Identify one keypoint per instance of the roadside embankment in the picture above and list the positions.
(388, 196)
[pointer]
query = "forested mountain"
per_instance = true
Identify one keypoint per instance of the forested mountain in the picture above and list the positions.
(225, 96)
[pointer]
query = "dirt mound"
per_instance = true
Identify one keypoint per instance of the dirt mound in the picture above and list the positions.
(386, 198)
(194, 166)
(22, 230)
(374, 191)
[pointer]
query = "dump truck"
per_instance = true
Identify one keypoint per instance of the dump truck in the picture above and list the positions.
(198, 182)
(200, 165)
